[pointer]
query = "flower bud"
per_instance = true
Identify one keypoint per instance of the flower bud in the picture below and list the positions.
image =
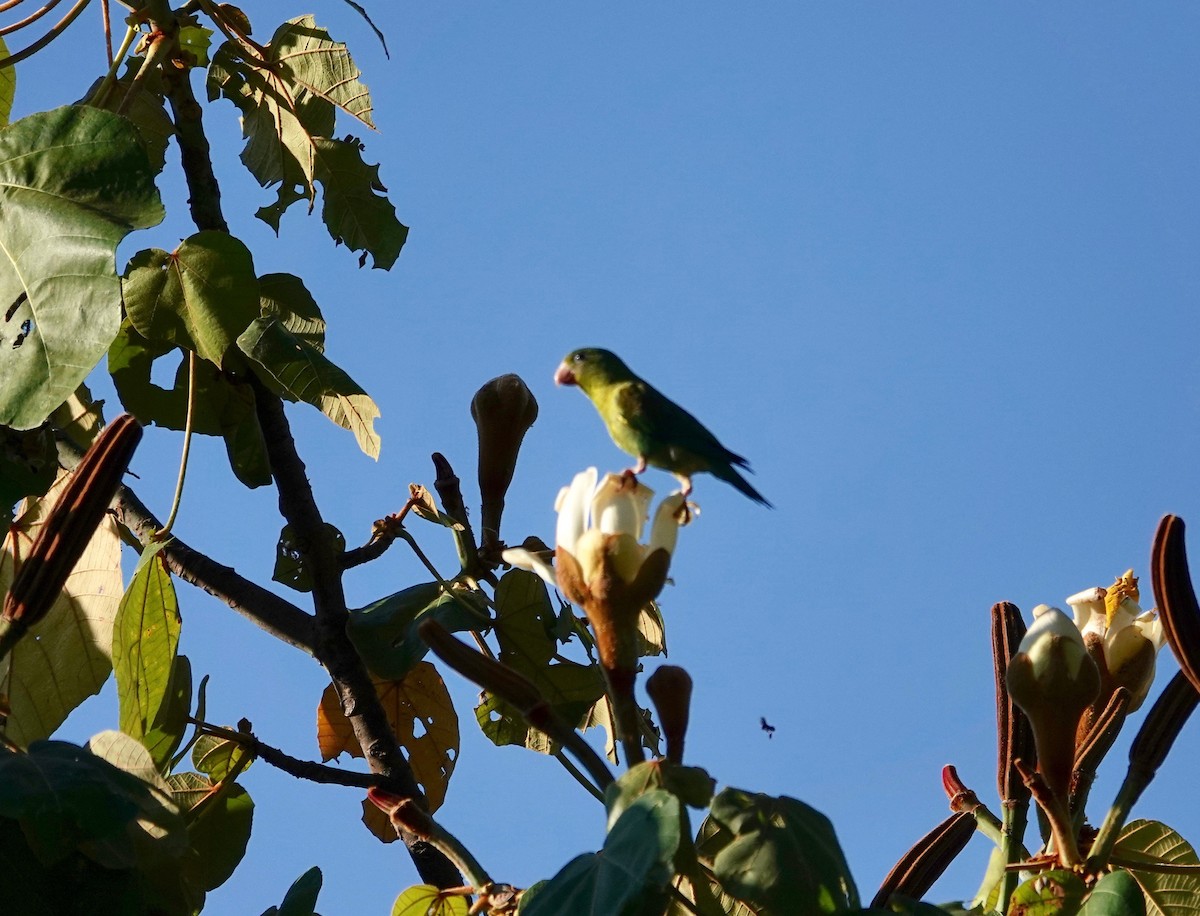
(1053, 679)
(504, 409)
(670, 688)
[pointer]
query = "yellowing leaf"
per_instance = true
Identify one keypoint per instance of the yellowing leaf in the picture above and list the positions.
(426, 900)
(421, 714)
(67, 656)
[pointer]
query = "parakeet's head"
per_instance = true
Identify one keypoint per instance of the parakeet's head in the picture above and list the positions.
(590, 367)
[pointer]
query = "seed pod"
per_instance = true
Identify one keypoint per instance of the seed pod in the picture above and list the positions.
(69, 527)
(922, 865)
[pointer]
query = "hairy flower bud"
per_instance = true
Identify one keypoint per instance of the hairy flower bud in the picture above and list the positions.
(504, 409)
(1053, 679)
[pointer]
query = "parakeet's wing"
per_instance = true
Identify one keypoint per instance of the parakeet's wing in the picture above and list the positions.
(671, 436)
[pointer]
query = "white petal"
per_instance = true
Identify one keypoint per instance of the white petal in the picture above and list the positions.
(1050, 625)
(573, 509)
(589, 553)
(523, 559)
(665, 530)
(620, 506)
(1151, 626)
(1086, 604)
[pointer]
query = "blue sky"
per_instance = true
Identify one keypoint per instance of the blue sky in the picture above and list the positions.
(931, 267)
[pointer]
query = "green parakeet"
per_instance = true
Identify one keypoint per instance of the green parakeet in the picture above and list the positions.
(648, 425)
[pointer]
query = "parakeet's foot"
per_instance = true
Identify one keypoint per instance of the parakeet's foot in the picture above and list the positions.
(685, 513)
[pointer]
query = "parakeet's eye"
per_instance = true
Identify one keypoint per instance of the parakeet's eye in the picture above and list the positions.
(578, 357)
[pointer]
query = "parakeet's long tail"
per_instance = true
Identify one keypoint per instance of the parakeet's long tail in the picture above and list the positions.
(730, 475)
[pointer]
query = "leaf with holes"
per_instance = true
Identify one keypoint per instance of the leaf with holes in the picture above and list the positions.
(67, 656)
(295, 369)
(288, 101)
(1149, 842)
(355, 209)
(200, 296)
(73, 183)
(145, 638)
(421, 714)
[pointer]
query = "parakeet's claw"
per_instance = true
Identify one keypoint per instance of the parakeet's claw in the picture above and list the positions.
(685, 513)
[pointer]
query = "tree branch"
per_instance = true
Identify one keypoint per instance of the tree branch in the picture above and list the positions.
(333, 648)
(263, 608)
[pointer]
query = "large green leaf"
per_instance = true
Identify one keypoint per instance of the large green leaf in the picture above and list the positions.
(385, 632)
(284, 296)
(1151, 841)
(219, 838)
(146, 109)
(355, 209)
(63, 795)
(300, 371)
(288, 103)
(67, 656)
(166, 732)
(777, 853)
(145, 638)
(1118, 894)
(629, 875)
(525, 626)
(73, 183)
(200, 297)
(221, 406)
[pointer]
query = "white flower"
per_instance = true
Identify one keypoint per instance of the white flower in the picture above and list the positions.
(601, 528)
(1126, 637)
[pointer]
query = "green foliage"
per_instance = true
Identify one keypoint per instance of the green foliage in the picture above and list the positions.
(301, 897)
(146, 108)
(291, 568)
(385, 632)
(288, 103)
(200, 296)
(1118, 894)
(145, 638)
(1147, 842)
(300, 372)
(525, 626)
(629, 876)
(776, 853)
(73, 183)
(426, 900)
(1047, 894)
(86, 832)
(222, 405)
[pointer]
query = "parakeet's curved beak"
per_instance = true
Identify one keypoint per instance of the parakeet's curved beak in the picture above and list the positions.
(564, 376)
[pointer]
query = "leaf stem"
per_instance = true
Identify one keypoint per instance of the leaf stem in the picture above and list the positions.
(578, 775)
(187, 445)
(110, 78)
